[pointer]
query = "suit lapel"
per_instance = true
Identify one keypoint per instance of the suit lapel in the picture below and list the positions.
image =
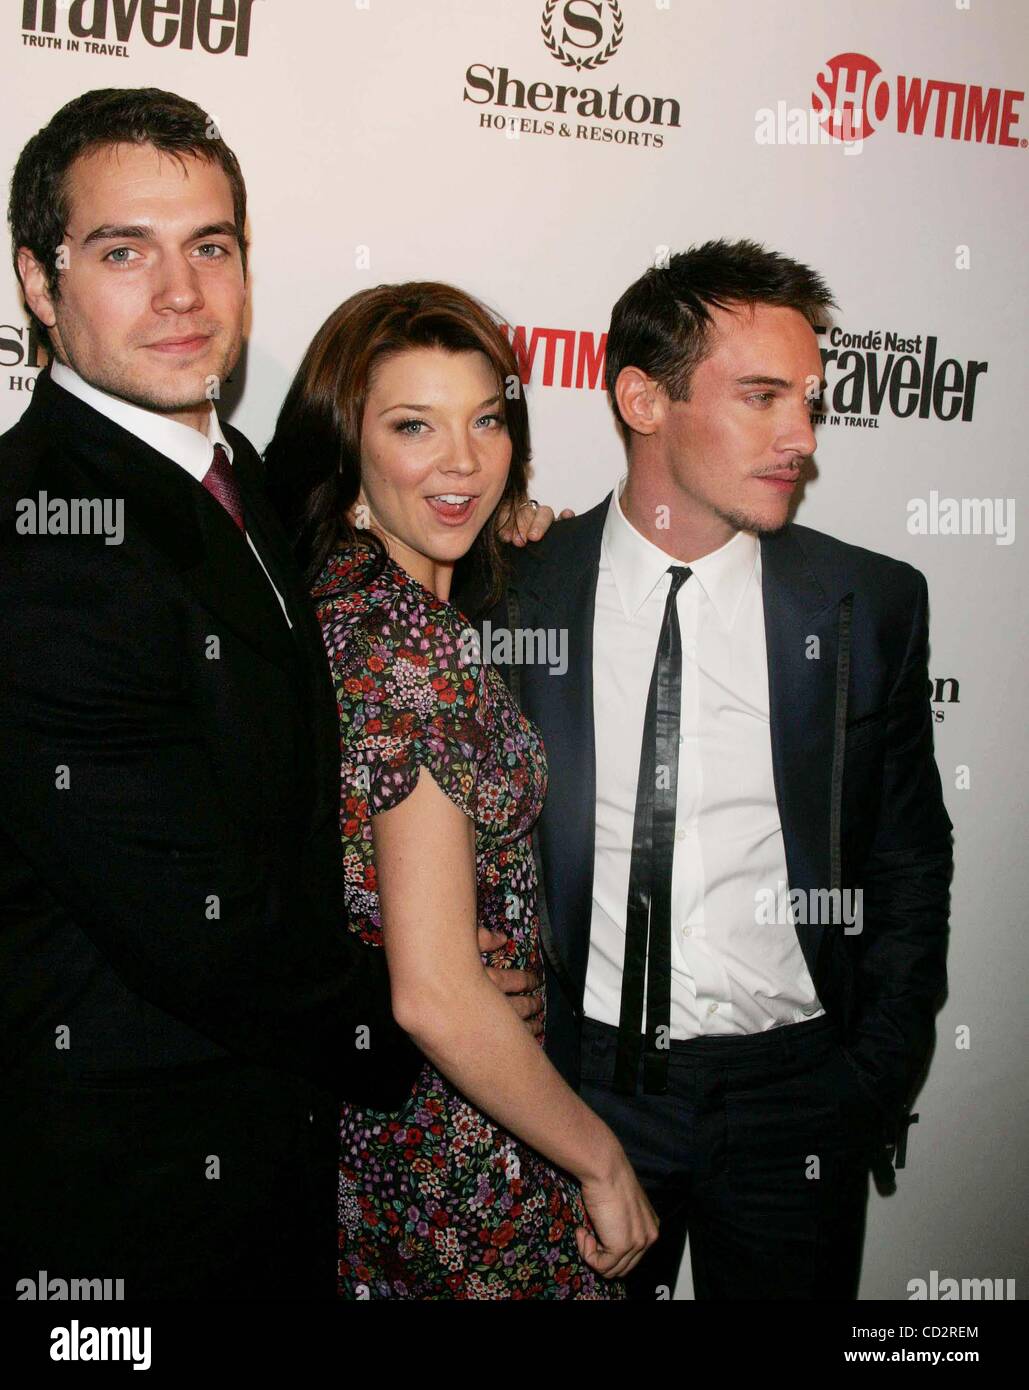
(306, 632)
(178, 517)
(802, 644)
(267, 534)
(560, 592)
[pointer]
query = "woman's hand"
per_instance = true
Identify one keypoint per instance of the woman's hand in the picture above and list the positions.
(521, 988)
(625, 1224)
(529, 523)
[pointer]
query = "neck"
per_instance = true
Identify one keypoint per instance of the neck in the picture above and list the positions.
(653, 507)
(436, 578)
(434, 575)
(196, 418)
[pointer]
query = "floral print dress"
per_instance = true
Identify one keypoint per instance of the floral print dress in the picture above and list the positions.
(436, 1201)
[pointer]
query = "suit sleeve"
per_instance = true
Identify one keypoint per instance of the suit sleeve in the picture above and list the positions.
(109, 793)
(901, 956)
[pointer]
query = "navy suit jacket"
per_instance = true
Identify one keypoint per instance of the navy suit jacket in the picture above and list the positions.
(856, 783)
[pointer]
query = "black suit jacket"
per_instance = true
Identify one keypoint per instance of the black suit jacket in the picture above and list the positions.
(856, 783)
(182, 1004)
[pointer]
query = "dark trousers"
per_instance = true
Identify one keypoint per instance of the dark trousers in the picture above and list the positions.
(758, 1151)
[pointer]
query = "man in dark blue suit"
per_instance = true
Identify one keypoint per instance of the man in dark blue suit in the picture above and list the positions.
(744, 847)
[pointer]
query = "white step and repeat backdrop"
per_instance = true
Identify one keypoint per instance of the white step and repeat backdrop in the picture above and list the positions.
(541, 156)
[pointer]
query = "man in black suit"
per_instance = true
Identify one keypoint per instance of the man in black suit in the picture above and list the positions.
(744, 846)
(183, 1007)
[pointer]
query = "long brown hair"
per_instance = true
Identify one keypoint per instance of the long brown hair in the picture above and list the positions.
(314, 459)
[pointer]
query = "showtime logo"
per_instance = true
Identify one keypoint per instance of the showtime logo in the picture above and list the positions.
(852, 93)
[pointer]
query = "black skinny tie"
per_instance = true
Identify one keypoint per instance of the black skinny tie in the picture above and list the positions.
(649, 907)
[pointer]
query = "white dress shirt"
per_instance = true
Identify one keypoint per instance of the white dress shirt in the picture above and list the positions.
(732, 971)
(182, 444)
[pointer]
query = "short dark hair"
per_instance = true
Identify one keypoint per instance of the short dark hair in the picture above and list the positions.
(313, 462)
(662, 323)
(38, 209)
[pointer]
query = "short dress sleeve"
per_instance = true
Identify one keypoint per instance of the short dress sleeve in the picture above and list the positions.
(413, 700)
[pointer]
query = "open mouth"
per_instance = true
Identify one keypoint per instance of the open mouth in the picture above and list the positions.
(453, 506)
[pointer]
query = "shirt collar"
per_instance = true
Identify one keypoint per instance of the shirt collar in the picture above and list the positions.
(637, 565)
(183, 444)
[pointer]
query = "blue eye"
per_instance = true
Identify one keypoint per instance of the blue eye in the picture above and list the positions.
(404, 427)
(118, 251)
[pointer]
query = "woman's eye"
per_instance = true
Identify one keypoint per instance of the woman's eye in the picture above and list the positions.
(412, 427)
(497, 419)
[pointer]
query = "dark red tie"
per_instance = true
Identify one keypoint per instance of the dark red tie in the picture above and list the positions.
(221, 484)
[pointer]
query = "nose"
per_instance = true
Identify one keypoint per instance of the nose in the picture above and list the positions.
(179, 286)
(799, 437)
(462, 458)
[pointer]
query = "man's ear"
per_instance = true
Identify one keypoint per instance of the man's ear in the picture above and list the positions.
(33, 282)
(641, 401)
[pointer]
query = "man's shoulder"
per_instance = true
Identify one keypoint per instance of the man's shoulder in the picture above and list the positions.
(31, 462)
(852, 565)
(567, 543)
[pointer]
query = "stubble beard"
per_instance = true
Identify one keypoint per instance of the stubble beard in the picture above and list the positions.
(197, 389)
(756, 525)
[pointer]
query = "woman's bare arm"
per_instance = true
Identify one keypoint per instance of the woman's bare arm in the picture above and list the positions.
(425, 865)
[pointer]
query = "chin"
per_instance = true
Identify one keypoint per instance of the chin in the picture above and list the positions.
(450, 555)
(161, 393)
(758, 523)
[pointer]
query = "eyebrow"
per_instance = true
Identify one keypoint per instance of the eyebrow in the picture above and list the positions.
(110, 232)
(407, 405)
(778, 381)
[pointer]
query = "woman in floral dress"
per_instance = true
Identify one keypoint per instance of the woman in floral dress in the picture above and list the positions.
(398, 449)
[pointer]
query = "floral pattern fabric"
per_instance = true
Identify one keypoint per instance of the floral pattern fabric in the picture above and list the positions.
(437, 1201)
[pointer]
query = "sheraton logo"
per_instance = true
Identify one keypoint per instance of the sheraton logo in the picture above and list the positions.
(107, 26)
(581, 35)
(944, 691)
(588, 32)
(854, 97)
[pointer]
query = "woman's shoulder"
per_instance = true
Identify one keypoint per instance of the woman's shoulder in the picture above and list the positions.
(376, 614)
(354, 580)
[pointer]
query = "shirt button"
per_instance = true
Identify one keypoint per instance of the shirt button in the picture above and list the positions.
(713, 1007)
(310, 1117)
(681, 740)
(680, 834)
(687, 931)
